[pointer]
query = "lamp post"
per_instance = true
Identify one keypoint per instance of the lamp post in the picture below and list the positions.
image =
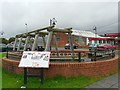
(1, 33)
(95, 29)
(53, 22)
(26, 27)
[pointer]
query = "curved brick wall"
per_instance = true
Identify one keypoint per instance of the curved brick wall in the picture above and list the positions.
(92, 69)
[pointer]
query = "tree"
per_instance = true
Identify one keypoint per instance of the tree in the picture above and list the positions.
(4, 40)
(11, 39)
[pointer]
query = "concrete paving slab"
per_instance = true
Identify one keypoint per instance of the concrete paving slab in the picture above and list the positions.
(109, 82)
(114, 86)
(94, 86)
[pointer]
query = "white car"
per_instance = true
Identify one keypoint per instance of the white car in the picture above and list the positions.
(67, 46)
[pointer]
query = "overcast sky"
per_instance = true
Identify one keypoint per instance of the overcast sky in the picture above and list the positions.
(75, 14)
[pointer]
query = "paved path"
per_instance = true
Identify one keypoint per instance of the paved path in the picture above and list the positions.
(109, 82)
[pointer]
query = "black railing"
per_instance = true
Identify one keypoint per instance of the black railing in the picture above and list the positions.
(101, 54)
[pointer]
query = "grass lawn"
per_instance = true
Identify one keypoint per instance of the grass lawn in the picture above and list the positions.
(10, 80)
(2, 55)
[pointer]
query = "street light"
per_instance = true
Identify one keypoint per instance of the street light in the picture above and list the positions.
(53, 22)
(95, 29)
(1, 33)
(26, 27)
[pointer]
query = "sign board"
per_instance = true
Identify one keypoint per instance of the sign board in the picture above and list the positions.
(35, 59)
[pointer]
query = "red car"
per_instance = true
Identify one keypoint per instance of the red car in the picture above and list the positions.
(106, 46)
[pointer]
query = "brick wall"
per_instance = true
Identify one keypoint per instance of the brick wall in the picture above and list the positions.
(63, 39)
(92, 69)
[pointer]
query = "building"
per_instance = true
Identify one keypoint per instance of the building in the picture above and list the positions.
(83, 38)
(56, 36)
(115, 36)
(80, 38)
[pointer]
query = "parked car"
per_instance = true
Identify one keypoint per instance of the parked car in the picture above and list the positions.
(16, 46)
(106, 46)
(67, 46)
(4, 48)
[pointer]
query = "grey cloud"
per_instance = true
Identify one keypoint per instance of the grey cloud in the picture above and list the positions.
(81, 16)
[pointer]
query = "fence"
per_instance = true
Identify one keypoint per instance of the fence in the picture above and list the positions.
(66, 55)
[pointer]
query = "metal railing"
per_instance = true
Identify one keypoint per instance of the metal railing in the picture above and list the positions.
(101, 54)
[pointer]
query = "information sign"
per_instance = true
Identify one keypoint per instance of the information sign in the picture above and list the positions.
(35, 59)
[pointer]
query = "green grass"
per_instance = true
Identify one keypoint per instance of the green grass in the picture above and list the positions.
(10, 80)
(2, 55)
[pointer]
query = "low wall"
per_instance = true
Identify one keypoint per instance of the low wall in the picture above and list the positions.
(70, 69)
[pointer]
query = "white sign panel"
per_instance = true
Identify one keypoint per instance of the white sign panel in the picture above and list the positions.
(35, 59)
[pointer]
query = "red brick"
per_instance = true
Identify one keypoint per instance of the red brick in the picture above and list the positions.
(70, 69)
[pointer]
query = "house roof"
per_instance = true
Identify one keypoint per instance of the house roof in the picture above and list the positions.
(85, 33)
(113, 34)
